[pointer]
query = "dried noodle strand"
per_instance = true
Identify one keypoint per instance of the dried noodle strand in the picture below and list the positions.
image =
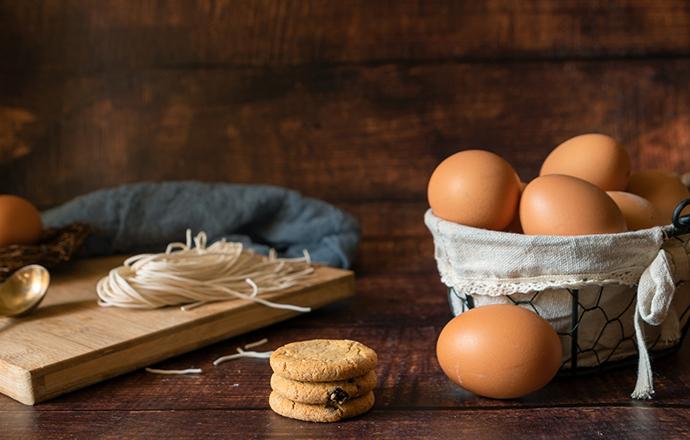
(171, 372)
(256, 344)
(243, 354)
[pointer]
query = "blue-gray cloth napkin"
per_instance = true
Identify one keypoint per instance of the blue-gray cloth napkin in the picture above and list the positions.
(145, 217)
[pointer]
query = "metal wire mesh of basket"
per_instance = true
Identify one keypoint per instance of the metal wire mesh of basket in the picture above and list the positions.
(596, 323)
(55, 246)
(592, 314)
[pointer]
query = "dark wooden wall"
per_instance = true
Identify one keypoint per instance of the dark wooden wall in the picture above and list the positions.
(350, 101)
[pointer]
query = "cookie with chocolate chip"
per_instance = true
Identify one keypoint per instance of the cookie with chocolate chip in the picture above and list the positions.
(325, 393)
(320, 413)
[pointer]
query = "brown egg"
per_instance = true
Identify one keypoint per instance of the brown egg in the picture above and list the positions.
(664, 190)
(500, 351)
(593, 157)
(475, 188)
(639, 213)
(20, 221)
(565, 205)
(515, 226)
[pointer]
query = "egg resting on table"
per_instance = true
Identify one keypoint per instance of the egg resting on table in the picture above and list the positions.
(500, 351)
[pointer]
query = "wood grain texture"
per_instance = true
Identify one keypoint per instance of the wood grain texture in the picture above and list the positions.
(399, 316)
(67, 35)
(381, 129)
(568, 423)
(70, 342)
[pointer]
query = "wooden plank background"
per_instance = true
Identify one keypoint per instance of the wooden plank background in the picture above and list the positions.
(354, 102)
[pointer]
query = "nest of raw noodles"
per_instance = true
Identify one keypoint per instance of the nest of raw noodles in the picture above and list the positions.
(54, 247)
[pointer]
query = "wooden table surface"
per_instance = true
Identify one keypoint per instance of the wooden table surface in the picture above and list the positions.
(353, 102)
(398, 315)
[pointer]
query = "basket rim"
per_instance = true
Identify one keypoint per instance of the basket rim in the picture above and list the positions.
(498, 263)
(447, 226)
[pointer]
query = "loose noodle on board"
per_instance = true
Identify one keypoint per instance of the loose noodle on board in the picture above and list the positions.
(192, 274)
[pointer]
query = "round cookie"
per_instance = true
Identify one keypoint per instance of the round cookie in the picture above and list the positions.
(324, 393)
(320, 413)
(323, 360)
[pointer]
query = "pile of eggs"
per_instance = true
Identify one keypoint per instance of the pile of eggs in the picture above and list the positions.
(584, 187)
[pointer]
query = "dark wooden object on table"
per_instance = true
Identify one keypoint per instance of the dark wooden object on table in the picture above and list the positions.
(353, 102)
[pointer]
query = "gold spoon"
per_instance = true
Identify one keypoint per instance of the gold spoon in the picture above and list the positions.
(24, 290)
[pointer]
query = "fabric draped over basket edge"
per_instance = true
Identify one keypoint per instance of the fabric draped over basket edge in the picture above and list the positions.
(482, 262)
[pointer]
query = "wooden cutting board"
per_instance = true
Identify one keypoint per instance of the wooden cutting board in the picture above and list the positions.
(70, 342)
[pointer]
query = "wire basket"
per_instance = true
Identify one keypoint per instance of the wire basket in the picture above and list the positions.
(595, 335)
(605, 357)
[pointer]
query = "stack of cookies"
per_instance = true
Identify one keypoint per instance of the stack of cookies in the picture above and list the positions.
(323, 380)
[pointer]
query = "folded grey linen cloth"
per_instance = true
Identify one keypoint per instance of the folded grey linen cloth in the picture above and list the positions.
(145, 217)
